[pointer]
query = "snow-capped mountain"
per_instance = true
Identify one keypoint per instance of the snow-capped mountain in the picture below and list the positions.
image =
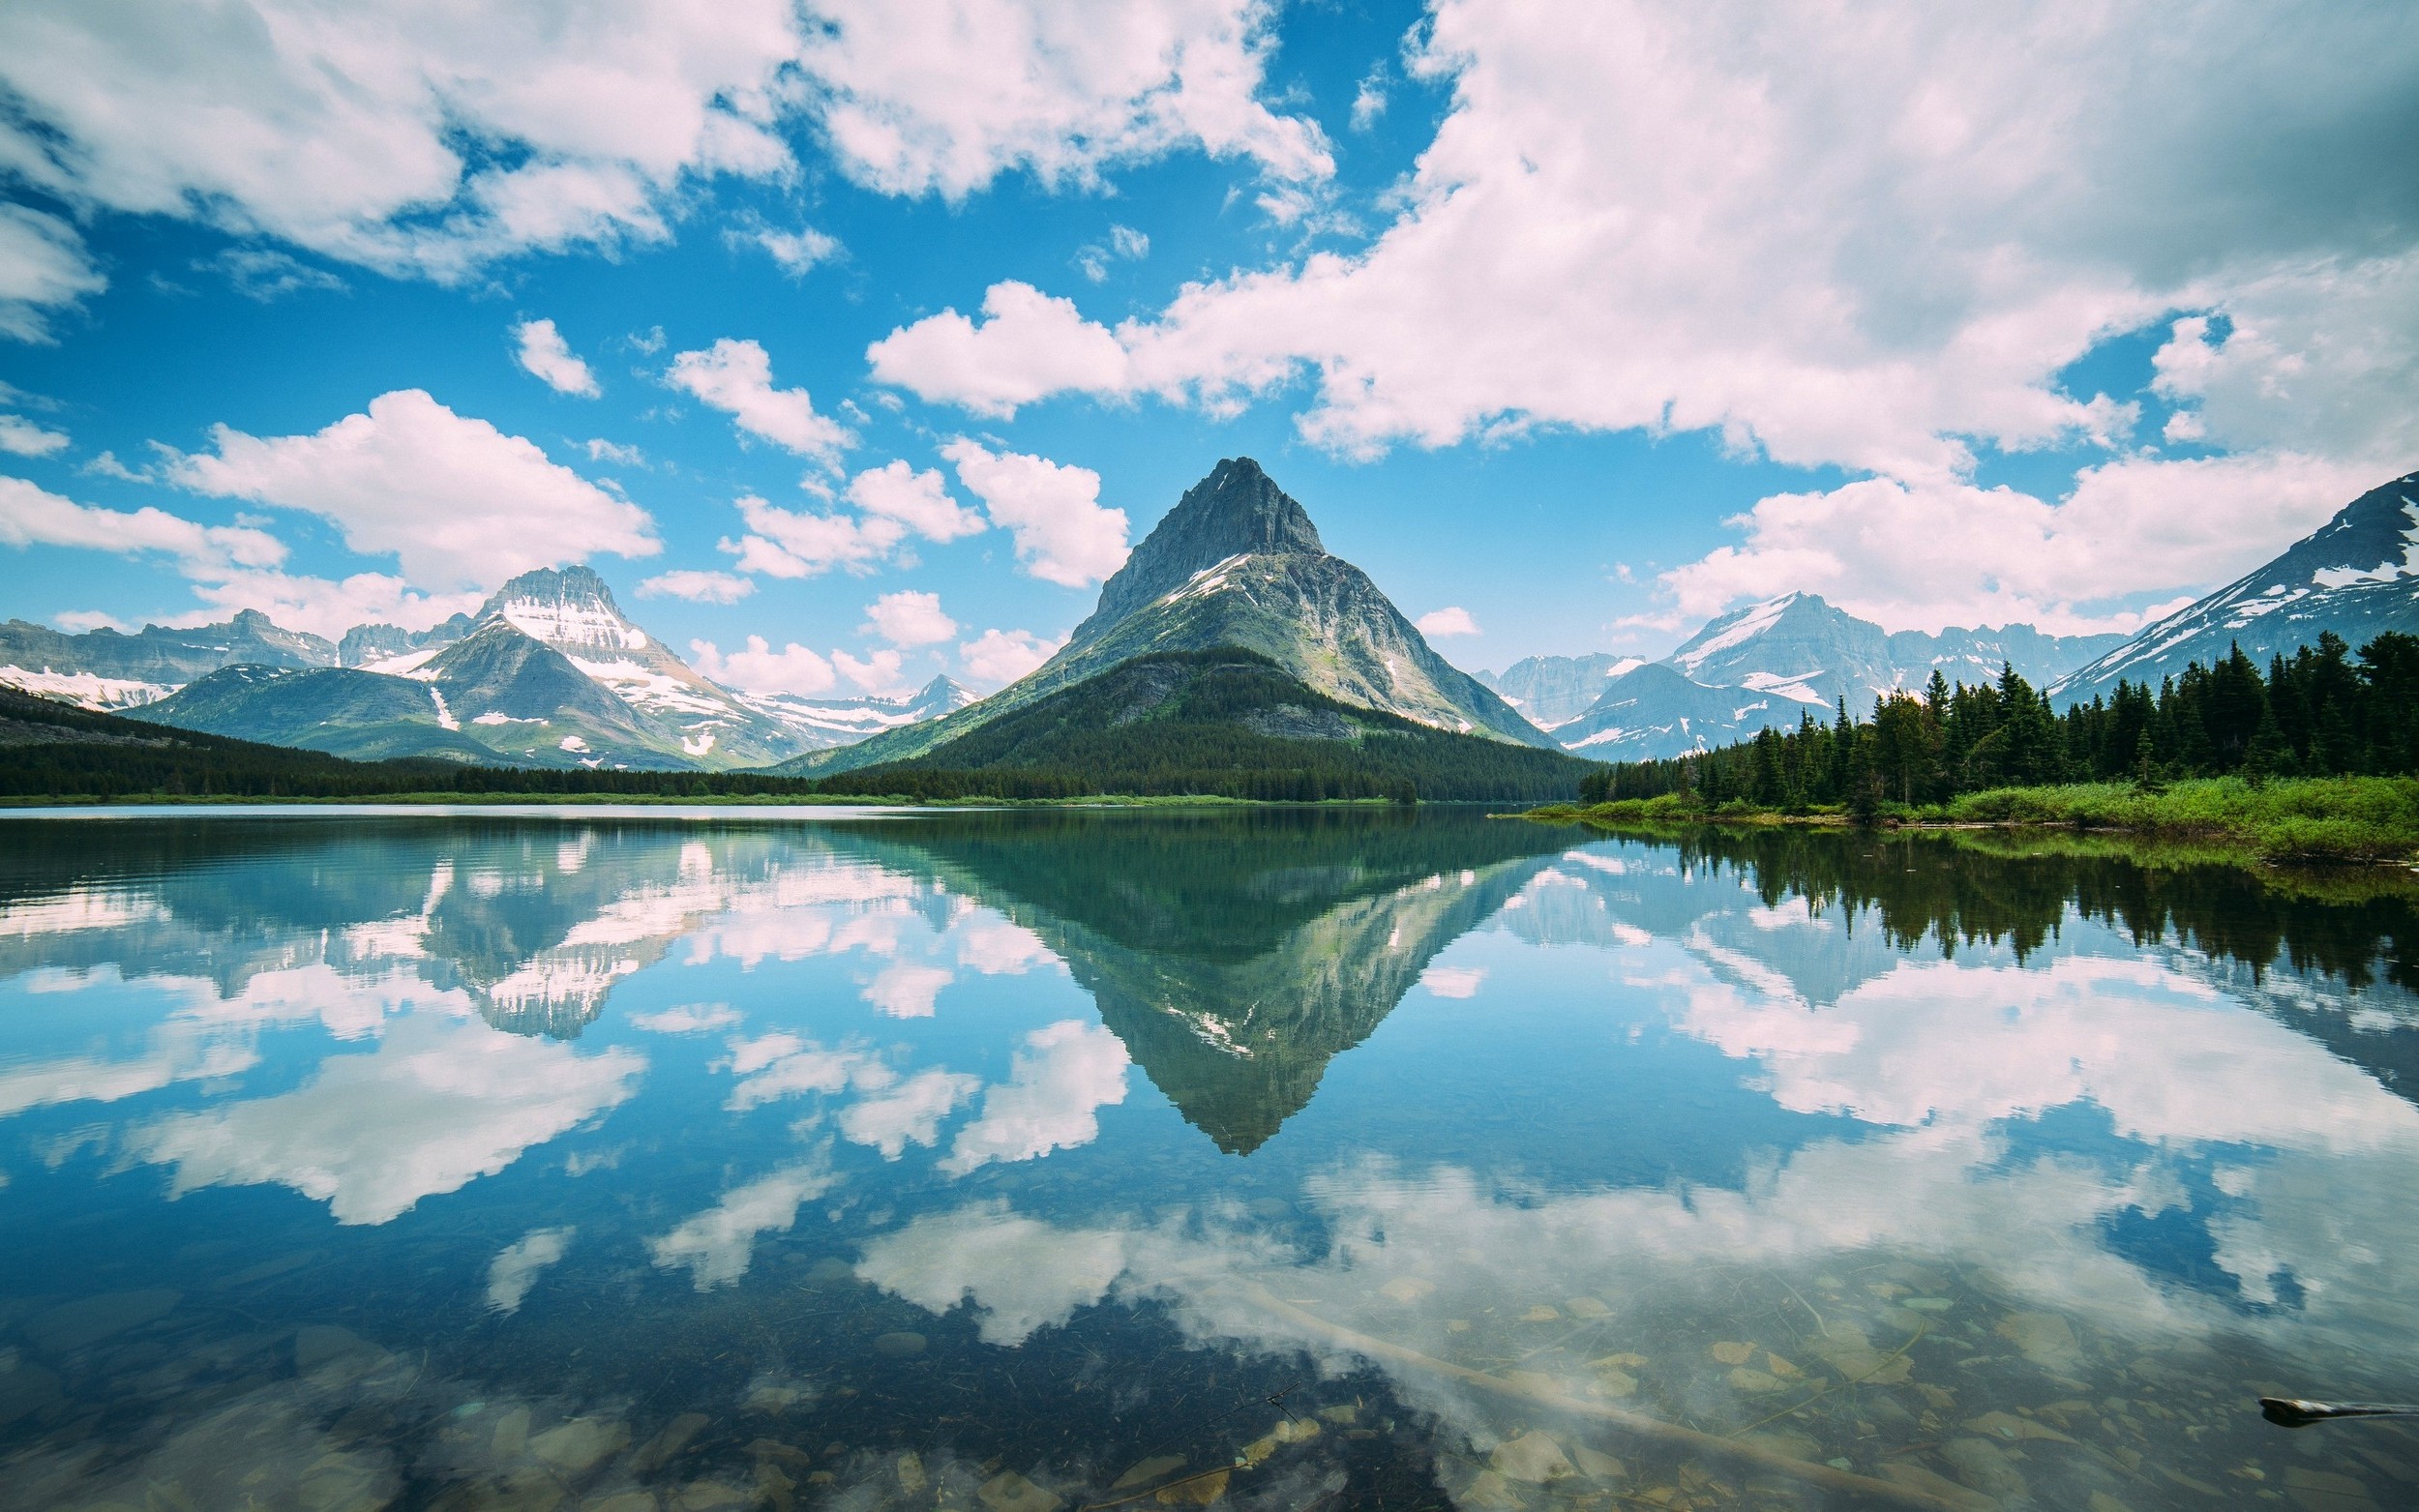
(2357, 574)
(550, 673)
(1551, 690)
(108, 670)
(1769, 664)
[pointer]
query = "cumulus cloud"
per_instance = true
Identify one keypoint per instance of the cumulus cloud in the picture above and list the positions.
(25, 438)
(600, 450)
(904, 990)
(946, 98)
(787, 543)
(908, 619)
(1872, 247)
(736, 378)
(795, 252)
(44, 268)
(1030, 345)
(877, 673)
(441, 1101)
(403, 139)
(457, 502)
(717, 1245)
(907, 1113)
(1921, 556)
(1055, 1086)
(30, 516)
(1451, 620)
(543, 352)
(697, 587)
(999, 657)
(514, 1271)
(758, 669)
(1123, 242)
(917, 500)
(1063, 533)
(687, 1019)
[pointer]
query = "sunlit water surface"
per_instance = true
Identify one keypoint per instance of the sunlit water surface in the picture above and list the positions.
(1288, 1159)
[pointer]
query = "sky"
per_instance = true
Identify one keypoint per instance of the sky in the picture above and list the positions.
(854, 342)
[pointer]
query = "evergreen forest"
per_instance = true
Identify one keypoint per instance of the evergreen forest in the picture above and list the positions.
(2322, 712)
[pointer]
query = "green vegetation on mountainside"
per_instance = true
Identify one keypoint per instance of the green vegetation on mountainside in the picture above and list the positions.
(1223, 722)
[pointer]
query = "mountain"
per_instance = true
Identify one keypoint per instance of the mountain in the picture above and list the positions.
(2355, 576)
(550, 673)
(1236, 966)
(819, 724)
(109, 670)
(1553, 690)
(1767, 663)
(1237, 563)
(1225, 721)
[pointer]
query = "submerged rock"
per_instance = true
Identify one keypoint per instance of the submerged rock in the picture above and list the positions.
(1532, 1458)
(1009, 1492)
(578, 1446)
(899, 1345)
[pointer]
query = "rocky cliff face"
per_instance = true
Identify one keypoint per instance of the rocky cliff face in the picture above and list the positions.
(2357, 576)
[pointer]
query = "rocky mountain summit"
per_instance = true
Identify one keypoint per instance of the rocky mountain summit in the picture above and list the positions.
(1238, 563)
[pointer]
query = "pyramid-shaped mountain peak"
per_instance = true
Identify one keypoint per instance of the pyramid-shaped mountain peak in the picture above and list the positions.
(575, 584)
(1236, 511)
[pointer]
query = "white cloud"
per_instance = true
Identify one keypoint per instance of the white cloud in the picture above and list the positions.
(458, 503)
(1123, 242)
(1453, 981)
(25, 438)
(995, 947)
(543, 353)
(718, 1244)
(1370, 100)
(1056, 1085)
(758, 669)
(1451, 620)
(697, 587)
(401, 139)
(908, 619)
(600, 450)
(1023, 1275)
(907, 1113)
(30, 516)
(736, 378)
(267, 275)
(1028, 347)
(786, 543)
(904, 990)
(917, 500)
(327, 607)
(947, 97)
(441, 1101)
(796, 252)
(876, 674)
(44, 268)
(1919, 556)
(1002, 656)
(1868, 246)
(687, 1019)
(1063, 533)
(514, 1271)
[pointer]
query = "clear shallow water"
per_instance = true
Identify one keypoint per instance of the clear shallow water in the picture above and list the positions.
(994, 1161)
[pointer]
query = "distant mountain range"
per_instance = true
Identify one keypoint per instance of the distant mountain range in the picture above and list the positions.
(550, 673)
(1236, 564)
(2357, 576)
(1763, 667)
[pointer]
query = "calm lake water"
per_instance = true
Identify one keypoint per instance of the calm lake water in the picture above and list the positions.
(1280, 1159)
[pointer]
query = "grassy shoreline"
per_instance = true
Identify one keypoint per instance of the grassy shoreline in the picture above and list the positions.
(2324, 819)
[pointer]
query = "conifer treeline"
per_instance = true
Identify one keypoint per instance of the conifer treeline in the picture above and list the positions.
(2320, 712)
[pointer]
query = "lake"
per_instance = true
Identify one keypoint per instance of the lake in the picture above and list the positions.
(1272, 1158)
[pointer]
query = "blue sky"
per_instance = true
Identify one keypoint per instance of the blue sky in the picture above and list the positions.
(1583, 324)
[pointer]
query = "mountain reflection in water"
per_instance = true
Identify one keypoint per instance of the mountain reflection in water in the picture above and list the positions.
(471, 1160)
